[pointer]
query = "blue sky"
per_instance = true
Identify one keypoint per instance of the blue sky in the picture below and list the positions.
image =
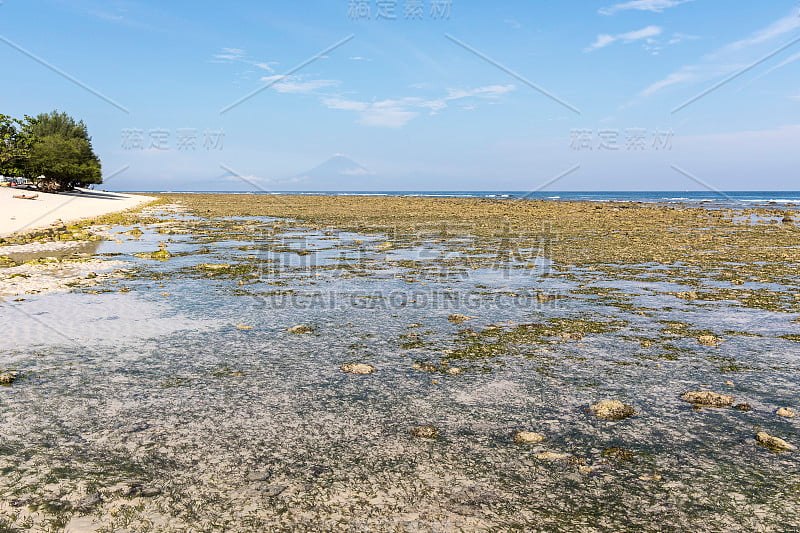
(462, 95)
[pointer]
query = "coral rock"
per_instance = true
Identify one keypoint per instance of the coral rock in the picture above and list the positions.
(357, 368)
(425, 432)
(707, 399)
(773, 443)
(611, 410)
(528, 437)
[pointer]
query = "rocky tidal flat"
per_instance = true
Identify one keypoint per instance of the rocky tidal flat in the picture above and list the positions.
(321, 363)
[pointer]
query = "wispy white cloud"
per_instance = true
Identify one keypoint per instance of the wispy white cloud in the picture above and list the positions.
(604, 40)
(787, 61)
(297, 84)
(680, 37)
(399, 112)
(726, 60)
(490, 91)
(230, 54)
(776, 29)
(238, 55)
(656, 6)
(673, 79)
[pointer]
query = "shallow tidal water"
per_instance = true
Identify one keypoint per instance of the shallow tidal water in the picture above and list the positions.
(184, 404)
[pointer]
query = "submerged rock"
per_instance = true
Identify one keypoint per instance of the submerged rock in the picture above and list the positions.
(552, 456)
(787, 412)
(425, 367)
(709, 340)
(618, 455)
(88, 502)
(743, 407)
(773, 443)
(707, 399)
(160, 255)
(458, 319)
(243, 327)
(425, 432)
(651, 477)
(300, 328)
(358, 368)
(142, 490)
(273, 491)
(7, 378)
(612, 410)
(261, 475)
(528, 437)
(213, 266)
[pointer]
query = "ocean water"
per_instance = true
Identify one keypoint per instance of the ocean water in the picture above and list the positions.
(710, 197)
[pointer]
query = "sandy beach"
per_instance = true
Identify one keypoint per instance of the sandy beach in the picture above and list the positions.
(20, 215)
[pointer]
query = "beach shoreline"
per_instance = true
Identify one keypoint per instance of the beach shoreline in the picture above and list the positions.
(19, 215)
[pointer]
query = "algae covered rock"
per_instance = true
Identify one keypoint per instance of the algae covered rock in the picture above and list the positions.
(425, 432)
(612, 410)
(7, 378)
(357, 368)
(528, 437)
(213, 266)
(773, 443)
(425, 367)
(707, 399)
(709, 340)
(300, 328)
(458, 319)
(552, 456)
(160, 255)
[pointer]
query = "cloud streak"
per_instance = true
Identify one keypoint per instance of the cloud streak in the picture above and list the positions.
(298, 84)
(399, 112)
(238, 55)
(726, 60)
(655, 6)
(604, 40)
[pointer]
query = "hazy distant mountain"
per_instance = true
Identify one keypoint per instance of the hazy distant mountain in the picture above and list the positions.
(337, 173)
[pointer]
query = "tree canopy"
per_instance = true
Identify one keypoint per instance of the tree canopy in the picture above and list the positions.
(14, 145)
(53, 149)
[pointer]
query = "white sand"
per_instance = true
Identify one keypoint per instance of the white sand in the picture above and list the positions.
(25, 215)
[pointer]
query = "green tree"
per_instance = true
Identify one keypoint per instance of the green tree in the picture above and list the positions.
(61, 163)
(61, 155)
(14, 146)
